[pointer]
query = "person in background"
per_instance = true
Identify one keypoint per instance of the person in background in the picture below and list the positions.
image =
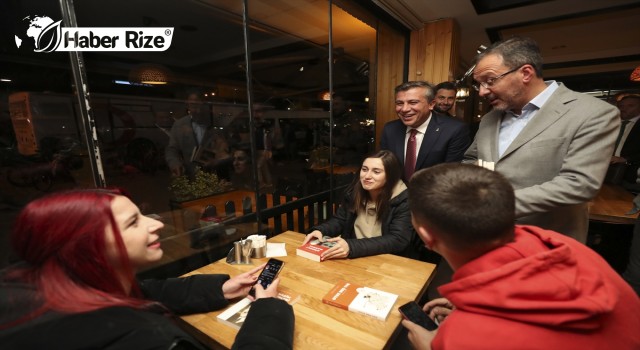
(75, 287)
(266, 136)
(242, 177)
(553, 144)
(631, 273)
(420, 138)
(514, 287)
(374, 215)
(193, 142)
(445, 97)
(627, 146)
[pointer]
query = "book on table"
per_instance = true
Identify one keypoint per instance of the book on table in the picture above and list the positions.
(314, 249)
(360, 299)
(235, 315)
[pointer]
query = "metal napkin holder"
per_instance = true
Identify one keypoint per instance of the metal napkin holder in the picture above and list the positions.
(240, 254)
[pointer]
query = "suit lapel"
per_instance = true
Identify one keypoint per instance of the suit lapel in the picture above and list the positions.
(551, 111)
(399, 145)
(489, 128)
(631, 143)
(430, 137)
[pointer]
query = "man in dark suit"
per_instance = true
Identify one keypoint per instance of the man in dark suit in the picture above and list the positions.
(627, 149)
(438, 139)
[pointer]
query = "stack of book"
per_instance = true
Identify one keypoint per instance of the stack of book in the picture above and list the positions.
(364, 300)
(235, 315)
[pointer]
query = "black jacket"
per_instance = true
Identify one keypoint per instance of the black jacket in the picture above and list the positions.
(128, 328)
(397, 231)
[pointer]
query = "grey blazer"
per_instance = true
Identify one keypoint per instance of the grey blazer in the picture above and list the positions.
(557, 163)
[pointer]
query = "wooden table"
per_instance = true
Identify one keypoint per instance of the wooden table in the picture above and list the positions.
(611, 205)
(321, 326)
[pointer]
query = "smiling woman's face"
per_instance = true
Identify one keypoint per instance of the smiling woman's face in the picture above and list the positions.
(139, 234)
(372, 175)
(240, 162)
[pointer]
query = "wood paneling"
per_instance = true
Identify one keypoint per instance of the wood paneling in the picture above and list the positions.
(433, 54)
(389, 73)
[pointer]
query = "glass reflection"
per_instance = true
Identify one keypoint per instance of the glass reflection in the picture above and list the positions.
(194, 133)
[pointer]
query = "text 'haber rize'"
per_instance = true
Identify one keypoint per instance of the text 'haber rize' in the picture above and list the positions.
(133, 39)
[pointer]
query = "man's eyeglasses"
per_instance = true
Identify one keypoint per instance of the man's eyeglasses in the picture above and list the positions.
(489, 83)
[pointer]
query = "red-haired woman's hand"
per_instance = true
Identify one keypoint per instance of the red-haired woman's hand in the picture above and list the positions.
(240, 285)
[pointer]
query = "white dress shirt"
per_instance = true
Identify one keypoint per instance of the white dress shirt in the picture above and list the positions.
(512, 124)
(421, 130)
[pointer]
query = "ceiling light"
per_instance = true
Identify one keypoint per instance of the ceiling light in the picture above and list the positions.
(150, 73)
(635, 75)
(324, 95)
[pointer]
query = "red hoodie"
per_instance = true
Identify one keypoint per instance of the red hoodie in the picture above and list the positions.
(542, 291)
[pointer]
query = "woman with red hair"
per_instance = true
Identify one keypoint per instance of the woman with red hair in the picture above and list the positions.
(75, 287)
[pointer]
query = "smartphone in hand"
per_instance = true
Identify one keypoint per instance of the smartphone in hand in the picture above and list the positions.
(414, 313)
(268, 274)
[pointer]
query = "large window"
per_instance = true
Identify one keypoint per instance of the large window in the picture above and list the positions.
(205, 131)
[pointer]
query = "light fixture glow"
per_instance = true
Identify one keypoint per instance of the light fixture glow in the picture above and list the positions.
(152, 74)
(635, 75)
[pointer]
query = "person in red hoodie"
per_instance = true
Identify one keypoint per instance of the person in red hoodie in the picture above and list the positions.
(514, 287)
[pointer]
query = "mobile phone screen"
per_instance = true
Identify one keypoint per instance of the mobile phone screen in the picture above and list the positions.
(268, 274)
(413, 312)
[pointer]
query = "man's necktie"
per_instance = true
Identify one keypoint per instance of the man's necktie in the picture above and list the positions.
(410, 158)
(623, 125)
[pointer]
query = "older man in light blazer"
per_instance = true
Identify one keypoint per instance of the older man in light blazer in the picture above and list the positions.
(553, 144)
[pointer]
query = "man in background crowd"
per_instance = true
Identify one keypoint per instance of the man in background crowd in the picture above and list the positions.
(445, 97)
(193, 142)
(627, 146)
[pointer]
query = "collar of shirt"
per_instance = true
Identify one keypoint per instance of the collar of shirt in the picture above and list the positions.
(634, 119)
(422, 129)
(512, 124)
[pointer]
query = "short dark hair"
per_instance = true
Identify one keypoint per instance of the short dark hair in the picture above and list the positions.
(516, 52)
(471, 207)
(430, 92)
(446, 85)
